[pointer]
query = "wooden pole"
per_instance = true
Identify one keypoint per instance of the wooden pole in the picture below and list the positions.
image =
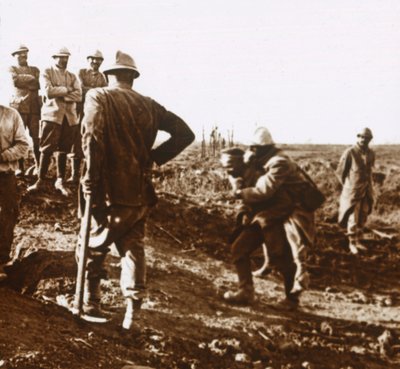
(83, 251)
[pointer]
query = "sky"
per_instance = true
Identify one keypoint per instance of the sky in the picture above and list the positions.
(311, 71)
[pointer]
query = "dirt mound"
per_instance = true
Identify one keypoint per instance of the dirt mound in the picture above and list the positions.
(348, 318)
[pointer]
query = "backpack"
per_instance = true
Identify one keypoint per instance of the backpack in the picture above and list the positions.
(311, 197)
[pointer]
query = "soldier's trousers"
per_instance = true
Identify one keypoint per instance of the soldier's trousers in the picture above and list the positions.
(357, 219)
(279, 252)
(125, 227)
(8, 213)
(57, 137)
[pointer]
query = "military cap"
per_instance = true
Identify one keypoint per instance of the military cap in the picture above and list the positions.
(231, 157)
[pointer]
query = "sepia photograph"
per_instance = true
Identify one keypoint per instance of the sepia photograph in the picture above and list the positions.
(199, 184)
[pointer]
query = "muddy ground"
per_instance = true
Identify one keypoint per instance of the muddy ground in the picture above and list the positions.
(349, 318)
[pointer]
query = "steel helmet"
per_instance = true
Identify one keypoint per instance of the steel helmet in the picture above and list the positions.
(96, 54)
(261, 137)
(21, 49)
(61, 52)
(366, 132)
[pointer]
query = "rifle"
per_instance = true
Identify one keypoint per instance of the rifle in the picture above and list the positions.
(84, 241)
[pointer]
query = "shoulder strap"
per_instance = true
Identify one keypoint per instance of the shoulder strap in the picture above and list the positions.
(307, 176)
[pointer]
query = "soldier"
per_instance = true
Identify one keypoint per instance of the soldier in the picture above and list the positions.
(60, 123)
(25, 79)
(243, 174)
(355, 174)
(119, 130)
(274, 214)
(90, 78)
(14, 146)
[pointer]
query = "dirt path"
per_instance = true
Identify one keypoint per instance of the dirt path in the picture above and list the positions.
(348, 319)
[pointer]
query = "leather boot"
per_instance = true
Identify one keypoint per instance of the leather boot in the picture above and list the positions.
(292, 290)
(242, 296)
(91, 298)
(44, 163)
(36, 153)
(34, 169)
(61, 163)
(75, 170)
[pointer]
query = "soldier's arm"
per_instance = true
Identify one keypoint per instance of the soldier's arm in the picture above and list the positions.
(50, 90)
(92, 142)
(19, 148)
(181, 137)
(34, 84)
(344, 166)
(269, 183)
(74, 91)
(21, 80)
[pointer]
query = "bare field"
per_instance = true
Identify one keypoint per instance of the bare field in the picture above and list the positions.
(349, 318)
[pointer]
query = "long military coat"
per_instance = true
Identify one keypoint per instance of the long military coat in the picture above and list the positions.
(275, 197)
(355, 173)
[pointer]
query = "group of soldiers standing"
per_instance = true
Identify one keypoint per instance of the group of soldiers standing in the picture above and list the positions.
(53, 121)
(114, 130)
(99, 117)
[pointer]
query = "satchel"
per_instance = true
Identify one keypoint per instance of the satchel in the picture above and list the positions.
(311, 198)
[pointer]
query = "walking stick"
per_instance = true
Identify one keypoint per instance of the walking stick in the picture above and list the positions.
(84, 244)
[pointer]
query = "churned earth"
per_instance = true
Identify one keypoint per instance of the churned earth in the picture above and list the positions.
(349, 318)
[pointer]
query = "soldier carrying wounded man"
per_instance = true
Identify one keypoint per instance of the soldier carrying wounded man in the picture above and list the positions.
(273, 190)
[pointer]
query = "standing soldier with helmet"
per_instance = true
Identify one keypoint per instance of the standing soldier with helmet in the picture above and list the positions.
(60, 123)
(119, 129)
(90, 78)
(355, 174)
(25, 99)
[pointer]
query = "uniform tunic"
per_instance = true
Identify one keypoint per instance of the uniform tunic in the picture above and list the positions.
(26, 100)
(89, 79)
(355, 173)
(59, 103)
(119, 129)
